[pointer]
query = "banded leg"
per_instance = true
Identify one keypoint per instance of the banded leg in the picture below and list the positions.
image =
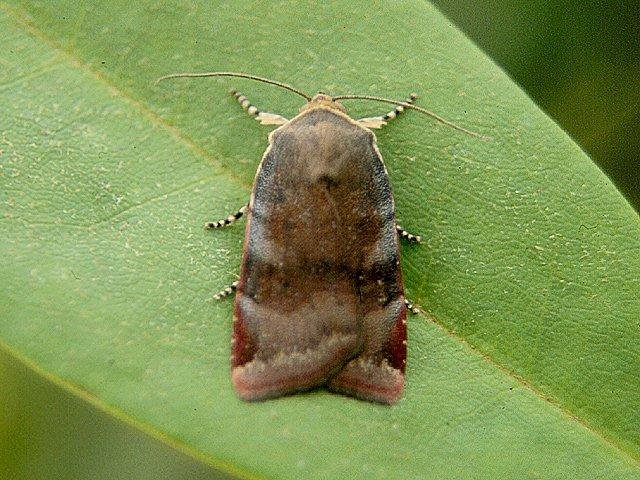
(227, 221)
(225, 292)
(413, 309)
(379, 122)
(408, 236)
(265, 118)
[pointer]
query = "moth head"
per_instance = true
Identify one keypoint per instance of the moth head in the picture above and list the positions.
(323, 100)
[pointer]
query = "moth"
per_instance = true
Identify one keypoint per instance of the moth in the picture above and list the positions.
(320, 300)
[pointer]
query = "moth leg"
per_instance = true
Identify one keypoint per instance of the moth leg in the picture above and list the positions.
(379, 122)
(227, 221)
(408, 236)
(225, 292)
(265, 118)
(413, 309)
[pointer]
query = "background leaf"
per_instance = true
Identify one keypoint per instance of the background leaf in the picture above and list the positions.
(578, 61)
(527, 364)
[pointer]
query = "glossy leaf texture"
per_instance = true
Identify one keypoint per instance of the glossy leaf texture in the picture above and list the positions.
(525, 364)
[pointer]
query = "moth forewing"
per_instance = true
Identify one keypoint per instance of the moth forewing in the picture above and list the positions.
(320, 300)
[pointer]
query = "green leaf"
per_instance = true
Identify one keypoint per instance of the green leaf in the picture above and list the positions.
(526, 365)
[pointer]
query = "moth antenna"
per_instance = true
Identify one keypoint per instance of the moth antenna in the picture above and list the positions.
(429, 113)
(236, 74)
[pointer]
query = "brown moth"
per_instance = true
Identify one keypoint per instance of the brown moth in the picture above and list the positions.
(320, 300)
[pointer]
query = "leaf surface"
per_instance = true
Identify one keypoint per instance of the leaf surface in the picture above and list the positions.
(526, 363)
